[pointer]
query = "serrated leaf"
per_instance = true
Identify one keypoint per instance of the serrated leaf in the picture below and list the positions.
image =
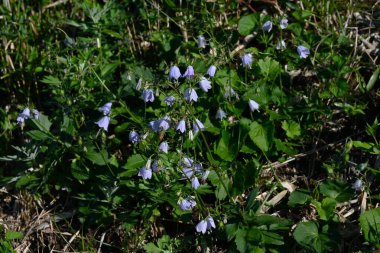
(292, 128)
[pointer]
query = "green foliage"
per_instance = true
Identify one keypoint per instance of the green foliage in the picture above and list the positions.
(316, 125)
(370, 224)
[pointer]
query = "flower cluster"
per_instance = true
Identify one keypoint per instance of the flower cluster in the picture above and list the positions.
(302, 51)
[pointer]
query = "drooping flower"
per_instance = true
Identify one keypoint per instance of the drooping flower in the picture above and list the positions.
(246, 60)
(267, 26)
(174, 73)
(211, 71)
(201, 226)
(204, 84)
(106, 108)
(303, 51)
(163, 147)
(189, 73)
(195, 183)
(104, 122)
(160, 124)
(229, 93)
(187, 204)
(283, 23)
(181, 126)
(358, 185)
(210, 223)
(197, 125)
(253, 105)
(169, 100)
(188, 162)
(190, 95)
(155, 166)
(205, 225)
(201, 41)
(148, 95)
(25, 114)
(36, 114)
(220, 114)
(145, 173)
(281, 45)
(205, 174)
(134, 137)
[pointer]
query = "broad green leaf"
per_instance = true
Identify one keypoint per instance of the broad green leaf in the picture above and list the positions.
(226, 148)
(299, 197)
(42, 123)
(370, 224)
(37, 135)
(240, 240)
(337, 190)
(133, 162)
(98, 158)
(231, 230)
(306, 234)
(259, 136)
(292, 128)
(247, 24)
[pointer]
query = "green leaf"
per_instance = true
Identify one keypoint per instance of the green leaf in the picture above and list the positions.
(259, 136)
(247, 24)
(370, 224)
(13, 235)
(374, 78)
(269, 68)
(292, 128)
(79, 170)
(133, 162)
(152, 248)
(109, 69)
(326, 208)
(51, 80)
(306, 234)
(299, 197)
(226, 149)
(339, 191)
(240, 240)
(98, 158)
(42, 123)
(231, 230)
(271, 238)
(37, 135)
